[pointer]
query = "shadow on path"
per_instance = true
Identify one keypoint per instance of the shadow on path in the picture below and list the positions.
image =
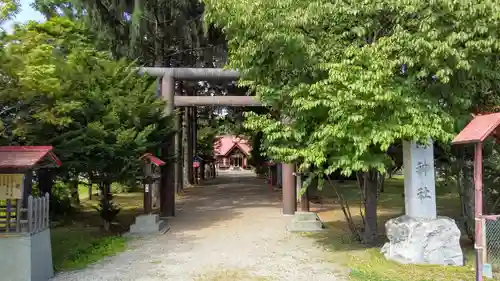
(222, 199)
(229, 224)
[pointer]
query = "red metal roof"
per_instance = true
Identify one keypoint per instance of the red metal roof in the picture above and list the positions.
(155, 160)
(224, 144)
(25, 157)
(479, 129)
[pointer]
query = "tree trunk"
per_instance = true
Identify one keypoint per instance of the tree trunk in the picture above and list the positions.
(107, 225)
(75, 195)
(179, 171)
(202, 170)
(106, 191)
(380, 183)
(90, 186)
(194, 128)
(369, 182)
(465, 183)
(188, 157)
(313, 193)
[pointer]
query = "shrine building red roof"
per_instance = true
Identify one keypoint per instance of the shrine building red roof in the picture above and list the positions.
(225, 144)
(26, 157)
(481, 127)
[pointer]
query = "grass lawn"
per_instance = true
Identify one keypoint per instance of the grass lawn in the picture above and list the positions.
(368, 264)
(77, 246)
(80, 240)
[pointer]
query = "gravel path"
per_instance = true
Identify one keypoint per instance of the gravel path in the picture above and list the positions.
(231, 226)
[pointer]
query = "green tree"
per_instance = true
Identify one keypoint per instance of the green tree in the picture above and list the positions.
(98, 113)
(160, 33)
(350, 78)
(8, 9)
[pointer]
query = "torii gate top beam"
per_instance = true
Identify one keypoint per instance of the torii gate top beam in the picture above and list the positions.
(171, 74)
(216, 100)
(192, 74)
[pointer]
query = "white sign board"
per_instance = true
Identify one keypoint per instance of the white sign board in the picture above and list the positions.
(11, 186)
(419, 180)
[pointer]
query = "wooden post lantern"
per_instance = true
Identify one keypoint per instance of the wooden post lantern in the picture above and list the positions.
(151, 180)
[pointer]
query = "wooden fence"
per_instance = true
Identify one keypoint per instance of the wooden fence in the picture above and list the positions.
(31, 219)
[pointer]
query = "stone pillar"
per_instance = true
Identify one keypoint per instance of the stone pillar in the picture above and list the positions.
(289, 197)
(419, 180)
(167, 191)
(431, 239)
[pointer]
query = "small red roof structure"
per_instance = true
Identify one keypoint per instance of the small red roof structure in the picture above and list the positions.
(481, 127)
(28, 157)
(223, 145)
(155, 160)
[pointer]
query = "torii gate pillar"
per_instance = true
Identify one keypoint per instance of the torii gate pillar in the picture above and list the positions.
(288, 182)
(167, 190)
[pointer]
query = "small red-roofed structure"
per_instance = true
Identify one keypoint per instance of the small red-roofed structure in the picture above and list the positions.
(476, 132)
(23, 158)
(17, 164)
(481, 127)
(154, 160)
(25, 222)
(151, 181)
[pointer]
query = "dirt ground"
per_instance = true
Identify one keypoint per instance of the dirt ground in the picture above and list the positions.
(231, 228)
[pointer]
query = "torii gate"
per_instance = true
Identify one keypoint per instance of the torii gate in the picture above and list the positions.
(167, 90)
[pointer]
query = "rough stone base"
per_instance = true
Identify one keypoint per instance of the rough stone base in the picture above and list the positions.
(305, 222)
(148, 224)
(423, 241)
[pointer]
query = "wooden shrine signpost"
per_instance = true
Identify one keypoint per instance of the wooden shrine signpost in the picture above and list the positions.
(149, 222)
(151, 181)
